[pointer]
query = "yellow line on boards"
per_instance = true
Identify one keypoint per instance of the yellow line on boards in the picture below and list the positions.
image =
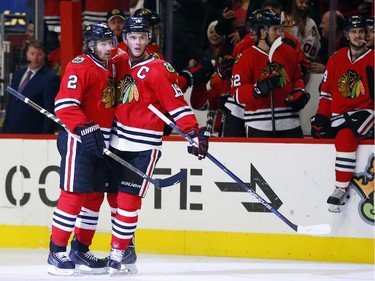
(221, 244)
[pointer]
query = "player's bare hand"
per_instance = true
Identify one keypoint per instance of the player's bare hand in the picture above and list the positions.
(316, 67)
(228, 13)
(234, 38)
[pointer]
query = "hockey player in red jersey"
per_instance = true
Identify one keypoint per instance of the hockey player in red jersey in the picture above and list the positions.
(153, 19)
(268, 81)
(137, 133)
(346, 105)
(85, 104)
(116, 20)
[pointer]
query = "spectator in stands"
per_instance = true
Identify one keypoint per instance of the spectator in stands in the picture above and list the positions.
(300, 25)
(40, 85)
(318, 65)
(232, 21)
(348, 8)
(346, 105)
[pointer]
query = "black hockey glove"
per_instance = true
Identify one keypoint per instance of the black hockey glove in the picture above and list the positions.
(297, 99)
(188, 76)
(224, 68)
(202, 72)
(321, 127)
(91, 138)
(201, 139)
(264, 86)
(222, 101)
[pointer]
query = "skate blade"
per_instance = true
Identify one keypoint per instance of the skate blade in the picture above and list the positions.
(116, 272)
(127, 269)
(131, 268)
(335, 208)
(85, 270)
(60, 271)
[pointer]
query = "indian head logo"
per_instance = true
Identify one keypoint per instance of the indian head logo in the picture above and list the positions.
(350, 85)
(275, 68)
(364, 183)
(108, 96)
(127, 90)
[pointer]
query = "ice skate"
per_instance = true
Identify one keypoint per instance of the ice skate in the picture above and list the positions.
(88, 263)
(129, 259)
(336, 200)
(114, 262)
(60, 264)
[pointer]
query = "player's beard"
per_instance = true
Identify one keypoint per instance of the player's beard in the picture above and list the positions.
(359, 45)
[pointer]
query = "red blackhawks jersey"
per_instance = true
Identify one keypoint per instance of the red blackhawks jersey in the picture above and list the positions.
(86, 95)
(253, 65)
(345, 85)
(152, 81)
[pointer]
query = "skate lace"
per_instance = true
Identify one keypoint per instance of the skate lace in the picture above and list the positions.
(116, 255)
(339, 193)
(90, 256)
(62, 256)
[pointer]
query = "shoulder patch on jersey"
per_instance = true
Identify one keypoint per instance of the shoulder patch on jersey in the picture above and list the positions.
(238, 58)
(156, 55)
(168, 67)
(78, 60)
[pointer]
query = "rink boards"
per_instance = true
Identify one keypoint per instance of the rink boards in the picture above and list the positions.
(208, 214)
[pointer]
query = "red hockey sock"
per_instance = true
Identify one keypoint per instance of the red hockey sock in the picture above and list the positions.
(346, 147)
(112, 201)
(126, 220)
(87, 219)
(64, 216)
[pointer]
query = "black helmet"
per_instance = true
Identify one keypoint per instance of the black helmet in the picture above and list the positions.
(152, 17)
(261, 18)
(355, 21)
(94, 32)
(370, 22)
(99, 31)
(136, 24)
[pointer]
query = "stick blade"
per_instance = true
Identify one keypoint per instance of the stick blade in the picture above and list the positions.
(318, 229)
(172, 180)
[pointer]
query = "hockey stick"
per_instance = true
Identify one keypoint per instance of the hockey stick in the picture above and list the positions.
(274, 46)
(158, 183)
(310, 230)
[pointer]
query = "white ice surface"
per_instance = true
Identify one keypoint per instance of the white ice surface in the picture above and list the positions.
(31, 265)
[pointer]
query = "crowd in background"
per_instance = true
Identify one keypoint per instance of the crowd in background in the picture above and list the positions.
(207, 36)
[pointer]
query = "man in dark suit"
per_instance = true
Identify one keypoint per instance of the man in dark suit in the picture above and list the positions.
(40, 85)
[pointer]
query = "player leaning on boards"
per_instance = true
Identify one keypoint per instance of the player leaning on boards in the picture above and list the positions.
(85, 104)
(142, 80)
(346, 105)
